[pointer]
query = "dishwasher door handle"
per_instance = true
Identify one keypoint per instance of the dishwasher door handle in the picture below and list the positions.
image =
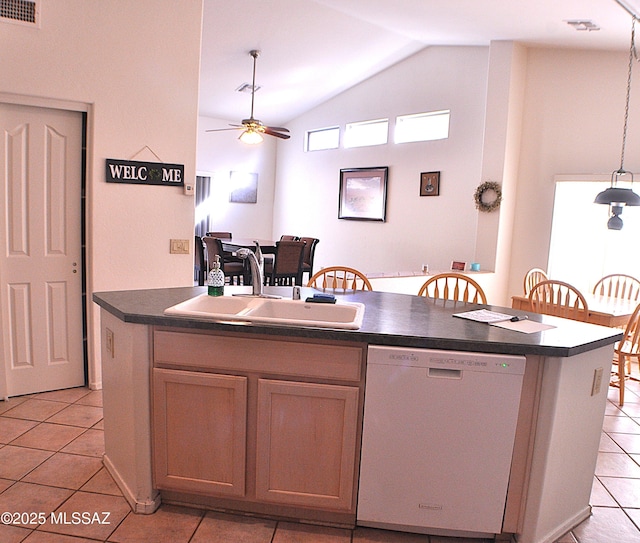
(444, 373)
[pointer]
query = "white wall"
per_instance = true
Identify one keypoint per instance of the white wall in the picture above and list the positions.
(432, 230)
(220, 153)
(136, 73)
(572, 124)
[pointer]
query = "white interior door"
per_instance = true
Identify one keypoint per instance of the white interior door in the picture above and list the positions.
(40, 249)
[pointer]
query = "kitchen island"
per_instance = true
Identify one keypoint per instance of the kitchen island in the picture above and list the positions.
(163, 377)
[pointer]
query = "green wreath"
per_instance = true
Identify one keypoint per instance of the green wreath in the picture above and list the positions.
(481, 203)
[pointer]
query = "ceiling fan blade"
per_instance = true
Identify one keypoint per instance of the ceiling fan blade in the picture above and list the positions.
(271, 132)
(224, 129)
(278, 128)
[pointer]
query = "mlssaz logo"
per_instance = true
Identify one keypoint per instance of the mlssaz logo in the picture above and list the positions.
(80, 517)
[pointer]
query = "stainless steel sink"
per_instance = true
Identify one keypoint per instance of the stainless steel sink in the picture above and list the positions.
(346, 315)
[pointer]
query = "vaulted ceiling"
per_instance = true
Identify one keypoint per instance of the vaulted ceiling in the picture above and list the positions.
(311, 50)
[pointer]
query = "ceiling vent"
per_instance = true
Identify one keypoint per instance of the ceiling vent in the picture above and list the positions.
(583, 25)
(248, 88)
(25, 12)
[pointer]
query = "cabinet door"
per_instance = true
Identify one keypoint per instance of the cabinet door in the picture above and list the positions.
(306, 443)
(199, 431)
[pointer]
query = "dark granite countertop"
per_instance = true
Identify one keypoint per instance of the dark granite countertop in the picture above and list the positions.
(390, 319)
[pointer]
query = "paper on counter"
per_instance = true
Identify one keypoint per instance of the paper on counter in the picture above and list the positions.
(483, 315)
(526, 326)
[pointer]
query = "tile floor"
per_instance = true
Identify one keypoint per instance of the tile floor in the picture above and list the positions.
(50, 462)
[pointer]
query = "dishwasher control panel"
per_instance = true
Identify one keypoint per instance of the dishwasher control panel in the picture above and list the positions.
(455, 360)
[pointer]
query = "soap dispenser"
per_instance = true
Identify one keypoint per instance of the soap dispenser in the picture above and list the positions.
(215, 281)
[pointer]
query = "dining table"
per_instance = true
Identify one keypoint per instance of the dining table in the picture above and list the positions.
(602, 310)
(233, 244)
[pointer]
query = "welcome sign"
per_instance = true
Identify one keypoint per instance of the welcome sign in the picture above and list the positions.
(144, 173)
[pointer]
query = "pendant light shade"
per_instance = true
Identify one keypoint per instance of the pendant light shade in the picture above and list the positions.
(615, 197)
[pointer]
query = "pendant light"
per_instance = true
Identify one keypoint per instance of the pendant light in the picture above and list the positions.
(615, 197)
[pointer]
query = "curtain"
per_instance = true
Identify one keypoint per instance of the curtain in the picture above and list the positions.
(203, 191)
(202, 226)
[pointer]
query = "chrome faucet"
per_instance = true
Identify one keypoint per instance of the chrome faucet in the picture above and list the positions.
(257, 275)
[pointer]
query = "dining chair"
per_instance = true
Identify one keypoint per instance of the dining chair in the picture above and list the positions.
(453, 286)
(618, 285)
(309, 255)
(268, 259)
(558, 298)
(232, 270)
(626, 349)
(287, 264)
(340, 279)
(199, 262)
(533, 277)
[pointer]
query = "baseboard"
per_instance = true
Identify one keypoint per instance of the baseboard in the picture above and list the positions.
(140, 507)
(562, 529)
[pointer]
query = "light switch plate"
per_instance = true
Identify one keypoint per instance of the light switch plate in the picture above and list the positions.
(179, 247)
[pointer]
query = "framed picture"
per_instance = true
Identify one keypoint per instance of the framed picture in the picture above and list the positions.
(458, 266)
(429, 183)
(244, 187)
(363, 194)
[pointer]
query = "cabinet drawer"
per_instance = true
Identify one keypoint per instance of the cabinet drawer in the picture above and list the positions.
(336, 361)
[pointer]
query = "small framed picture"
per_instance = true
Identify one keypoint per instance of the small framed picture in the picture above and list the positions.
(458, 266)
(429, 183)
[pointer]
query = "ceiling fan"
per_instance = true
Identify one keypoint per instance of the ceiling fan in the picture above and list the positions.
(253, 128)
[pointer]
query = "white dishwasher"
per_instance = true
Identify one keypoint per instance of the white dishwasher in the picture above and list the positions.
(437, 442)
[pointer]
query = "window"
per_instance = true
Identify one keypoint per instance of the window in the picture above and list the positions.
(366, 133)
(323, 138)
(582, 249)
(422, 126)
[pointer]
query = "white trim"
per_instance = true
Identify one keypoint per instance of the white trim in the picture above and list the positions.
(144, 508)
(41, 101)
(591, 177)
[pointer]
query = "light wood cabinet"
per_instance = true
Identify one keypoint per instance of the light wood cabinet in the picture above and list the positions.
(306, 443)
(258, 424)
(200, 431)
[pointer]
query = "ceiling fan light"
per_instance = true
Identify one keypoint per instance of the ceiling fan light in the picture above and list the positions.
(251, 137)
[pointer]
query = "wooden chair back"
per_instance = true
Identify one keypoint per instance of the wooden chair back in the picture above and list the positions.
(340, 279)
(287, 266)
(309, 255)
(289, 238)
(453, 286)
(232, 269)
(618, 285)
(627, 349)
(558, 298)
(199, 262)
(533, 277)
